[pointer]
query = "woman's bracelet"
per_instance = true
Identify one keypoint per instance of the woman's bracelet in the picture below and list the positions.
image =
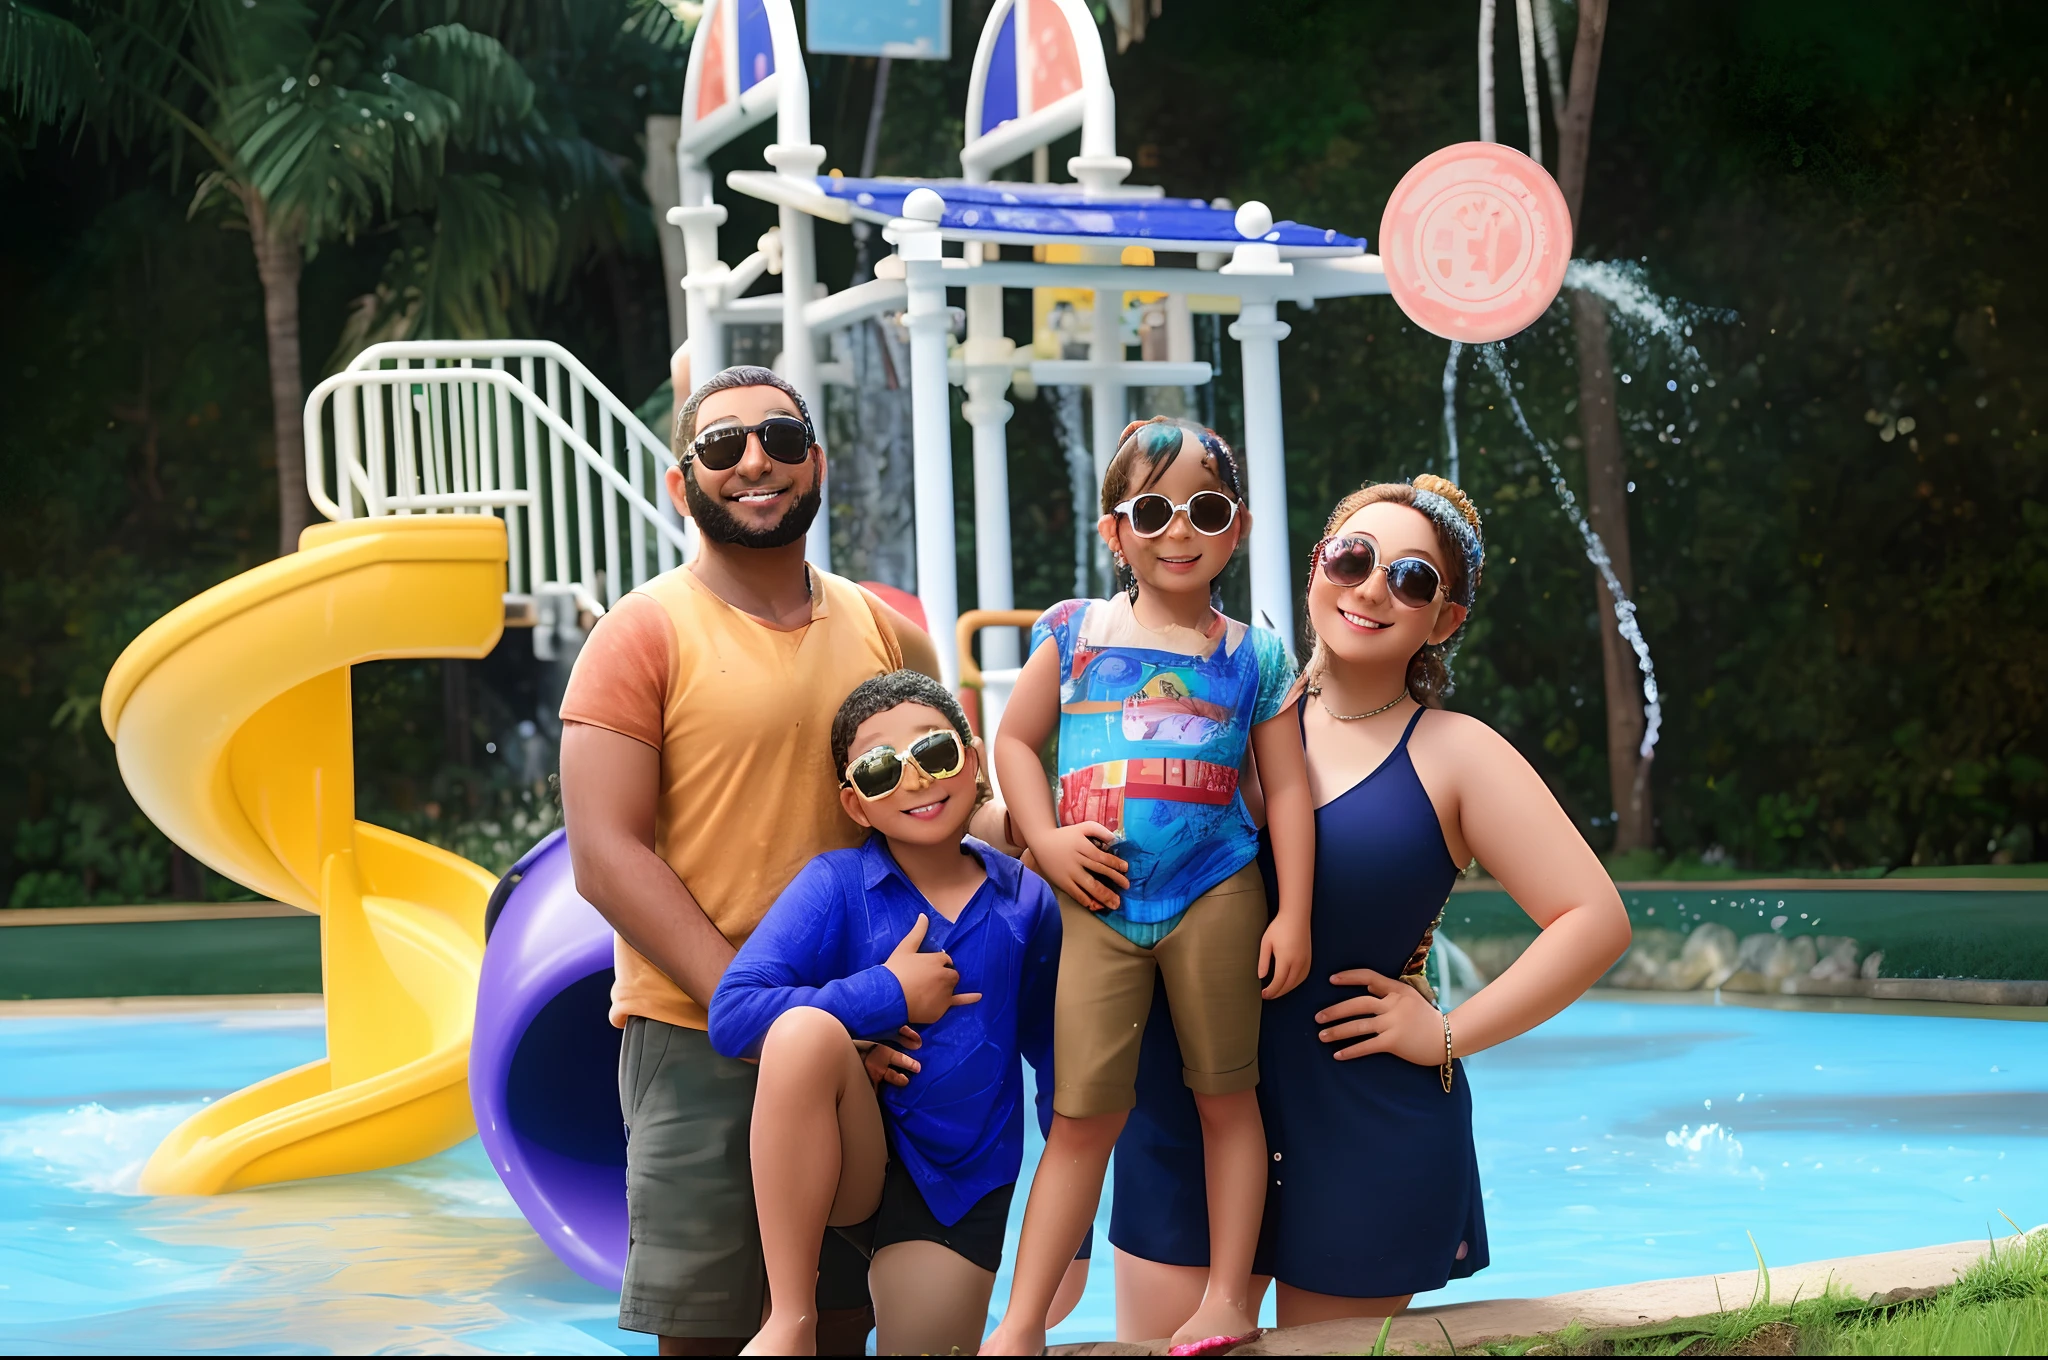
(1446, 1072)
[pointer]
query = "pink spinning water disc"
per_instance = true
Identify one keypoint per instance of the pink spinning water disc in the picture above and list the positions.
(1475, 241)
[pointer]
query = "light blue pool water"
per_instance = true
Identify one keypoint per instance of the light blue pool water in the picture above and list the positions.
(1622, 1141)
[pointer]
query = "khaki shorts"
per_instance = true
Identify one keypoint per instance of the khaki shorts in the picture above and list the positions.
(693, 1268)
(1210, 964)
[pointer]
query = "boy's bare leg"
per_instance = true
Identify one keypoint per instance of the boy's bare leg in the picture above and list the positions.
(1064, 1194)
(928, 1300)
(819, 1156)
(1234, 1166)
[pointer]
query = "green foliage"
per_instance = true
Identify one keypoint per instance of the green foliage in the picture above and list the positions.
(137, 445)
(46, 64)
(1998, 1307)
(1843, 605)
(76, 858)
(1844, 611)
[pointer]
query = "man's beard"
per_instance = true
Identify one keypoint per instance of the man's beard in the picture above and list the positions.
(717, 523)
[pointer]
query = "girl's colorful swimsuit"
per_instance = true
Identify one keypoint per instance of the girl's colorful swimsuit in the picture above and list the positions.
(1151, 740)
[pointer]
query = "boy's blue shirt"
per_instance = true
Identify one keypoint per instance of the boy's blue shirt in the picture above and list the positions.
(958, 1127)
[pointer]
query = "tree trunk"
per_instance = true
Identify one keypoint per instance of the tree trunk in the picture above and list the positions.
(1575, 122)
(1628, 774)
(280, 258)
(1607, 509)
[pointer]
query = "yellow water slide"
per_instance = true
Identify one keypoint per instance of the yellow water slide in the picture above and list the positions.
(230, 717)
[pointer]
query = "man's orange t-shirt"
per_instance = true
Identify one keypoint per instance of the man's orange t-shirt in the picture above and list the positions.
(741, 712)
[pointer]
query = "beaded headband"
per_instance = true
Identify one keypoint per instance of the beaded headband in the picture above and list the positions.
(1447, 517)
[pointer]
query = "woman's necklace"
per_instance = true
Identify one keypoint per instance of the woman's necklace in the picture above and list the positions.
(1355, 717)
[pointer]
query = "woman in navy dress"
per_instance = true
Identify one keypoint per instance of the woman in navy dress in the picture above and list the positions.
(1373, 1194)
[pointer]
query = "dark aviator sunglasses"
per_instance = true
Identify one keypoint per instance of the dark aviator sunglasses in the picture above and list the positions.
(783, 438)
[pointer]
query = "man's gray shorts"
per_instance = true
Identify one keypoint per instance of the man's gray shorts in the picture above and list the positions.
(694, 1267)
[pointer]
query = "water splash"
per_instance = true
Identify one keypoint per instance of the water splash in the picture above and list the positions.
(1072, 430)
(1596, 551)
(1451, 406)
(90, 1147)
(1642, 313)
(1711, 1147)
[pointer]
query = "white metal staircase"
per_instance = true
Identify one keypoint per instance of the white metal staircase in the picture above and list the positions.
(515, 428)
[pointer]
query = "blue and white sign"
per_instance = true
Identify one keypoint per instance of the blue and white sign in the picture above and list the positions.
(918, 29)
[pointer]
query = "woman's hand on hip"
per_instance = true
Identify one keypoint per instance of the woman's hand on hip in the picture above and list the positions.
(1391, 1017)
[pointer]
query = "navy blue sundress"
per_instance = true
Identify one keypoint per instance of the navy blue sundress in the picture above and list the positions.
(1354, 1145)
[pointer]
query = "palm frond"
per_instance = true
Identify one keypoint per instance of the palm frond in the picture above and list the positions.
(492, 242)
(665, 24)
(46, 64)
(474, 71)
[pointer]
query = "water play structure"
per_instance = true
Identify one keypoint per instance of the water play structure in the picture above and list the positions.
(474, 484)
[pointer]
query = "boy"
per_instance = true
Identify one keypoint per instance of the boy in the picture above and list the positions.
(863, 945)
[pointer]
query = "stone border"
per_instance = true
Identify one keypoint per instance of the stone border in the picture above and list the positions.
(165, 911)
(1825, 1005)
(2032, 885)
(1897, 1275)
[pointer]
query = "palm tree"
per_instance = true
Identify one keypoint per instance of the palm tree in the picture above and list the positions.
(314, 123)
(46, 64)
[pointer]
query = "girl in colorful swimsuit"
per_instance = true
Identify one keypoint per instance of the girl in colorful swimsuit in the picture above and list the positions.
(1156, 695)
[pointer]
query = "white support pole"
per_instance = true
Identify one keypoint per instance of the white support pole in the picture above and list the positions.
(1259, 331)
(800, 355)
(703, 285)
(795, 156)
(1108, 405)
(990, 360)
(916, 238)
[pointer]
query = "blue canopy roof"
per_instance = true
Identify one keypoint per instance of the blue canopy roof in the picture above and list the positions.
(1038, 213)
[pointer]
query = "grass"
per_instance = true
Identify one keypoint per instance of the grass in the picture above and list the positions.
(1998, 1307)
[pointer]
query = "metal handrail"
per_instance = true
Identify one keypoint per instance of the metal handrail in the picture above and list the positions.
(473, 437)
(972, 622)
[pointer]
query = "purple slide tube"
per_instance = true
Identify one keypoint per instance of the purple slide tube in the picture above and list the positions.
(543, 1066)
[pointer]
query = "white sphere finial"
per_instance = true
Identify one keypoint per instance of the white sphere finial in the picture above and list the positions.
(1254, 220)
(923, 205)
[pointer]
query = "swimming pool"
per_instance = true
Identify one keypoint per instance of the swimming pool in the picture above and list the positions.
(1622, 1141)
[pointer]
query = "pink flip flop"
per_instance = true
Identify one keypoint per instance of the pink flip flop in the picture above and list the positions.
(1211, 1345)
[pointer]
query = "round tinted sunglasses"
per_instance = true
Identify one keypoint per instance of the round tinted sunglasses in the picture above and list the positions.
(1350, 560)
(783, 438)
(1210, 512)
(877, 773)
